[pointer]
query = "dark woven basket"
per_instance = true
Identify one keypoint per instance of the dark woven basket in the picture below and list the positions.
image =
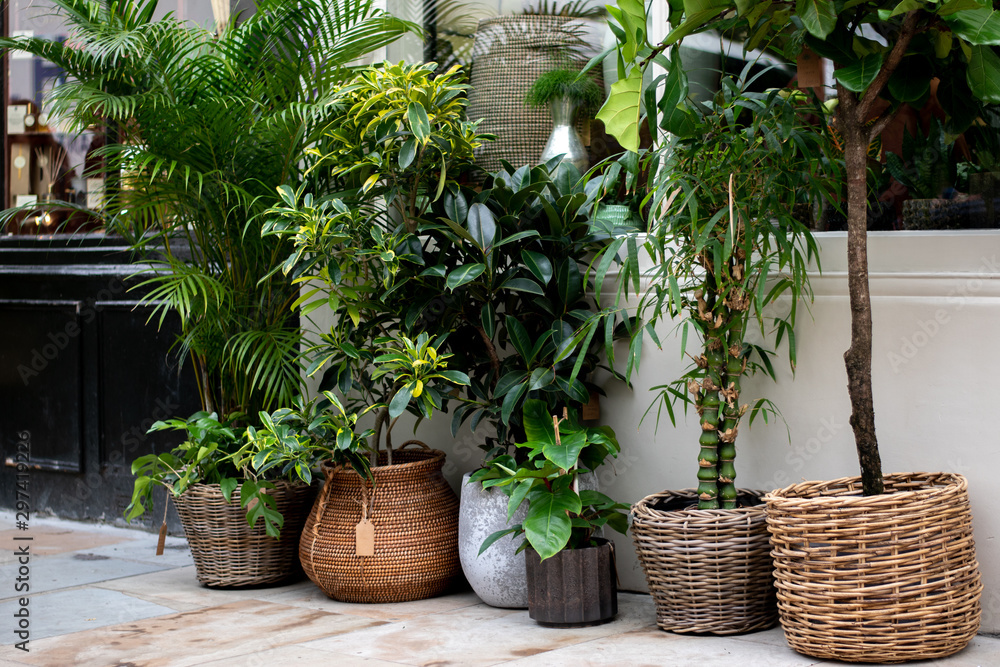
(709, 571)
(887, 578)
(229, 553)
(415, 517)
(509, 53)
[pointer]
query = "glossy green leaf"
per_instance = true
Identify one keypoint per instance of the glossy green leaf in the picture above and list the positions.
(818, 16)
(538, 264)
(538, 425)
(983, 74)
(407, 152)
(858, 76)
(620, 113)
(482, 226)
(397, 405)
(464, 274)
(566, 452)
(548, 526)
(541, 377)
(979, 26)
(420, 124)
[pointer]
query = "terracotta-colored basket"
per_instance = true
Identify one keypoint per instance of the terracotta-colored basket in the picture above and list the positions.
(415, 517)
(887, 578)
(227, 552)
(709, 571)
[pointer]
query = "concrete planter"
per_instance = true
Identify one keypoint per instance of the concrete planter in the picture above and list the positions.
(497, 576)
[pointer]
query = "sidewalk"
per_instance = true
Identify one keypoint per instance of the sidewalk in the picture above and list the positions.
(100, 597)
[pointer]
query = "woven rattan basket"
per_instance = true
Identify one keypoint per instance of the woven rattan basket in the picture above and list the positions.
(709, 571)
(886, 578)
(509, 53)
(415, 518)
(227, 552)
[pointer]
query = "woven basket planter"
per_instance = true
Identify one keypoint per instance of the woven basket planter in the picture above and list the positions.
(229, 553)
(709, 571)
(886, 578)
(415, 518)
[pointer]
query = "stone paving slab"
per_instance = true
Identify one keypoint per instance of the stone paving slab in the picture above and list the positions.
(68, 570)
(77, 609)
(224, 632)
(478, 635)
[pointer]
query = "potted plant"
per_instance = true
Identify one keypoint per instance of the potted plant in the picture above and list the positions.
(563, 521)
(251, 541)
(508, 279)
(564, 91)
(726, 244)
(851, 540)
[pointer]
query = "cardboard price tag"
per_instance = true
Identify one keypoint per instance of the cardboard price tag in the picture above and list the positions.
(810, 69)
(364, 538)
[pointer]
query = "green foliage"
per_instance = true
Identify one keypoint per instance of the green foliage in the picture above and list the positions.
(581, 9)
(560, 516)
(210, 454)
(414, 366)
(931, 169)
(205, 128)
(558, 83)
(402, 135)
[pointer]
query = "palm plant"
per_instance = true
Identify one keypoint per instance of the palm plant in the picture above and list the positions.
(203, 130)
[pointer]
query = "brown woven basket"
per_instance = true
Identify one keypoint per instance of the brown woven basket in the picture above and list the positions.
(886, 578)
(708, 571)
(415, 517)
(227, 552)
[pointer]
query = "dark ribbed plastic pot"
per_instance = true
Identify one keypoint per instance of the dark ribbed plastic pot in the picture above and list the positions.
(574, 588)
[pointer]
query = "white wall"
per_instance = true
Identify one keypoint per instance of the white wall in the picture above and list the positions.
(936, 310)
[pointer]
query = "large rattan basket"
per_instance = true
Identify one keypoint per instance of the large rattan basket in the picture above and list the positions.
(415, 518)
(227, 552)
(709, 571)
(887, 578)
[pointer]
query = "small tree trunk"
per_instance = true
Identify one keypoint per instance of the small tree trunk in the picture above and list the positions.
(858, 357)
(731, 413)
(710, 411)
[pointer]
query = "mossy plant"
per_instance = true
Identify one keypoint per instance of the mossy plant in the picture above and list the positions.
(556, 83)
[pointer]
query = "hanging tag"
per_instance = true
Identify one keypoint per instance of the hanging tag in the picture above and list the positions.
(364, 538)
(585, 134)
(163, 539)
(592, 409)
(810, 69)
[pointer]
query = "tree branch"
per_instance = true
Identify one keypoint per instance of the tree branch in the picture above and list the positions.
(906, 33)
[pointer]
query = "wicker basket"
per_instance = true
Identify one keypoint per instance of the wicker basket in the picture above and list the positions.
(886, 578)
(227, 552)
(708, 571)
(415, 517)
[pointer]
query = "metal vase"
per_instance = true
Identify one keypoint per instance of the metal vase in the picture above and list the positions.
(564, 139)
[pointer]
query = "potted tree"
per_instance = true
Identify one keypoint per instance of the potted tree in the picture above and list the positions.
(851, 541)
(726, 244)
(563, 521)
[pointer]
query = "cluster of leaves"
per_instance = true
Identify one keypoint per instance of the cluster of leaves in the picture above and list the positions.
(402, 135)
(558, 83)
(558, 451)
(210, 454)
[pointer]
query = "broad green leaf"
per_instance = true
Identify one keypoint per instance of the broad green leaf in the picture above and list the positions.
(511, 400)
(676, 116)
(631, 16)
(979, 27)
(524, 285)
(541, 377)
(538, 264)
(566, 453)
(519, 337)
(620, 113)
(538, 425)
(548, 526)
(407, 152)
(910, 82)
(228, 485)
(420, 125)
(983, 74)
(953, 6)
(464, 274)
(397, 405)
(482, 226)
(858, 76)
(818, 16)
(521, 490)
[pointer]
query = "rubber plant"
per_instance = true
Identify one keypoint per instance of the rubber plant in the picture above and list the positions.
(885, 54)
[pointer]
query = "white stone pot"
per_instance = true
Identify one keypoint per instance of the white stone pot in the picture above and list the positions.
(498, 575)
